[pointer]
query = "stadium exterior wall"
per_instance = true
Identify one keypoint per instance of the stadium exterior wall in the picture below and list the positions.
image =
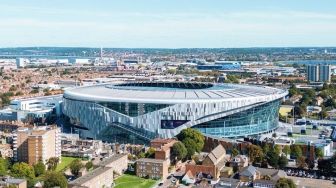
(209, 116)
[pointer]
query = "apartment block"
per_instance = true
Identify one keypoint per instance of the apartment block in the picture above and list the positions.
(99, 177)
(31, 145)
(119, 163)
(152, 168)
(163, 148)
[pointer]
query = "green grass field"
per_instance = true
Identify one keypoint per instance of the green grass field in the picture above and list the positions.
(127, 181)
(65, 162)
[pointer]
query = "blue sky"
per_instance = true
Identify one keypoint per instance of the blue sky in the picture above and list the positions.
(168, 23)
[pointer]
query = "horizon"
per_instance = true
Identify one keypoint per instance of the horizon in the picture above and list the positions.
(171, 24)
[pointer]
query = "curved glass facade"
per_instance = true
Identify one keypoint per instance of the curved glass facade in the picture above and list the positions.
(133, 109)
(256, 120)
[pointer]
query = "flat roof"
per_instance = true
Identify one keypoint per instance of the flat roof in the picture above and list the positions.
(96, 172)
(150, 160)
(111, 159)
(168, 93)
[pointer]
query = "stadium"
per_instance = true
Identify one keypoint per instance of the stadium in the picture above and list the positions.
(139, 111)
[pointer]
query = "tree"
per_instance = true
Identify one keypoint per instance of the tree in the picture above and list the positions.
(150, 153)
(179, 151)
(282, 162)
(277, 149)
(296, 151)
(319, 153)
(255, 153)
(301, 162)
(285, 183)
(89, 165)
(52, 163)
(266, 148)
(141, 155)
(192, 139)
(54, 179)
(286, 150)
(273, 158)
(39, 168)
(4, 165)
(293, 91)
(234, 152)
(22, 170)
(75, 166)
(190, 146)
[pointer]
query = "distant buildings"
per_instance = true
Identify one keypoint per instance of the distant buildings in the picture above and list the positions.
(221, 65)
(37, 144)
(21, 62)
(318, 73)
(38, 109)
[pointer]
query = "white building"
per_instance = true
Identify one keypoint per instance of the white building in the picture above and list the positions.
(21, 62)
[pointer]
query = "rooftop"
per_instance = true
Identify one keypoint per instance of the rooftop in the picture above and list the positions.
(167, 93)
(111, 159)
(150, 160)
(96, 172)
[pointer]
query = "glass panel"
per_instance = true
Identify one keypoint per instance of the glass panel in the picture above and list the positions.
(259, 119)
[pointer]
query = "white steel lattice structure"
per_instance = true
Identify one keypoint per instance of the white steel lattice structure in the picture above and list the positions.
(143, 110)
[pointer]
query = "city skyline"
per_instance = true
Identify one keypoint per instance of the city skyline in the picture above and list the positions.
(163, 24)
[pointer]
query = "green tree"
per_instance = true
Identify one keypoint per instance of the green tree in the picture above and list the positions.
(285, 183)
(319, 153)
(282, 162)
(192, 139)
(255, 153)
(22, 170)
(293, 91)
(89, 165)
(150, 153)
(179, 151)
(277, 149)
(52, 163)
(266, 148)
(4, 165)
(190, 146)
(296, 151)
(286, 149)
(273, 158)
(75, 166)
(54, 179)
(234, 152)
(39, 168)
(141, 155)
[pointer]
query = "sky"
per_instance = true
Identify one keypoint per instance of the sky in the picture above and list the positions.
(168, 23)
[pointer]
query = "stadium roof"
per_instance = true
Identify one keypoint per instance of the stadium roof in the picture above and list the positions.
(171, 92)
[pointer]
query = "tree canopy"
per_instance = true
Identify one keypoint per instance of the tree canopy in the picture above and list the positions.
(75, 166)
(192, 139)
(39, 168)
(255, 153)
(179, 151)
(54, 179)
